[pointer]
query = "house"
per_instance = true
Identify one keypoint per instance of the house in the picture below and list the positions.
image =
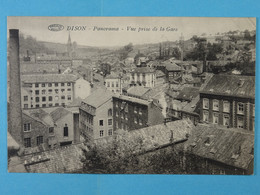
(160, 77)
(229, 101)
(213, 150)
(49, 128)
(173, 72)
(82, 88)
(143, 76)
(113, 82)
(188, 93)
(47, 90)
(137, 91)
(131, 113)
(96, 115)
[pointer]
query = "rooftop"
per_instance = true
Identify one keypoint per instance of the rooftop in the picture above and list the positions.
(143, 70)
(98, 97)
(231, 85)
(188, 93)
(138, 91)
(131, 99)
(59, 113)
(170, 66)
(48, 78)
(229, 146)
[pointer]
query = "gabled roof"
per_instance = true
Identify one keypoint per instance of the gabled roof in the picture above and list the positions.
(138, 91)
(229, 146)
(188, 93)
(48, 78)
(59, 113)
(231, 85)
(39, 115)
(172, 67)
(98, 97)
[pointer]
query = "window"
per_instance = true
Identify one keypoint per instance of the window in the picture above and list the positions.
(135, 119)
(205, 103)
(109, 113)
(37, 99)
(25, 105)
(27, 127)
(112, 84)
(116, 113)
(240, 108)
(25, 98)
(216, 105)
(50, 84)
(63, 97)
(226, 106)
(215, 118)
(50, 105)
(37, 105)
(226, 120)
(56, 98)
(68, 84)
(126, 117)
(240, 122)
(27, 142)
(56, 84)
(50, 98)
(36, 85)
(39, 140)
(253, 110)
(43, 84)
(44, 105)
(101, 122)
(69, 97)
(140, 122)
(122, 115)
(62, 84)
(62, 90)
(50, 91)
(43, 91)
(108, 84)
(135, 109)
(56, 104)
(116, 84)
(101, 133)
(63, 104)
(140, 111)
(43, 99)
(56, 91)
(66, 131)
(126, 108)
(69, 89)
(116, 104)
(110, 132)
(206, 116)
(37, 92)
(117, 125)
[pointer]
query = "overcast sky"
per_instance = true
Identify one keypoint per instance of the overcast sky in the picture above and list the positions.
(38, 28)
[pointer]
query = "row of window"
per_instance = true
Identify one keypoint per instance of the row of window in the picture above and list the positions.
(109, 122)
(50, 98)
(43, 105)
(28, 141)
(28, 127)
(101, 132)
(112, 84)
(226, 119)
(43, 92)
(226, 106)
(50, 84)
(124, 106)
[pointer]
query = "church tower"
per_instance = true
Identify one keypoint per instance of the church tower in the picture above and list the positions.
(69, 47)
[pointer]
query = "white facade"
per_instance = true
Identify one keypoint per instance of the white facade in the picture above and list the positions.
(82, 88)
(146, 79)
(114, 85)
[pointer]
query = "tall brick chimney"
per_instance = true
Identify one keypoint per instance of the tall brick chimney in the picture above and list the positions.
(15, 111)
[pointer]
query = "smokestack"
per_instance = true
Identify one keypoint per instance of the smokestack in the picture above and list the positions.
(15, 111)
(76, 128)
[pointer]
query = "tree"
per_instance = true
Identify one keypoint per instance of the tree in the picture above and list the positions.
(123, 52)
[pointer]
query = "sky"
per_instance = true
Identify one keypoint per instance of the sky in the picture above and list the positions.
(187, 26)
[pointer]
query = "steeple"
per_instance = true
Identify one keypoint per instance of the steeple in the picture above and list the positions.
(69, 46)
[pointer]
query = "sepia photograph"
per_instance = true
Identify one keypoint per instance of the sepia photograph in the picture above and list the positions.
(131, 95)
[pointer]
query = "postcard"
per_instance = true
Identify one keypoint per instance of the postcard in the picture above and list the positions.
(131, 95)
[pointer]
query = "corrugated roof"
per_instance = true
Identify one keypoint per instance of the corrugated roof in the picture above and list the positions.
(229, 146)
(48, 78)
(98, 97)
(231, 85)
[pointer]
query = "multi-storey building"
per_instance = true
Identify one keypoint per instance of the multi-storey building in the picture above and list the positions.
(131, 113)
(96, 115)
(114, 83)
(47, 90)
(229, 100)
(143, 76)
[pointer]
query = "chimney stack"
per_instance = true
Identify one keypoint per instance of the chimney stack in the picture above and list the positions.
(15, 111)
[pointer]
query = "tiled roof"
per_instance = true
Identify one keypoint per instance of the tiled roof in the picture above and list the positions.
(231, 85)
(158, 135)
(188, 93)
(138, 91)
(66, 159)
(229, 146)
(48, 78)
(98, 97)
